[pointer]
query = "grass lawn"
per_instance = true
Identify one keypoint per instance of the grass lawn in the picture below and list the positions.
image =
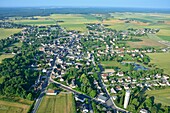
(161, 60)
(161, 96)
(13, 107)
(4, 33)
(114, 64)
(3, 56)
(61, 103)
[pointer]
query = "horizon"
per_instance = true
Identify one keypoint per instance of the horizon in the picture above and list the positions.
(151, 4)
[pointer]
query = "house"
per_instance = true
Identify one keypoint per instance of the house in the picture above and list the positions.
(118, 88)
(144, 111)
(102, 98)
(51, 92)
(85, 108)
(120, 74)
(79, 98)
(112, 90)
(104, 76)
(73, 84)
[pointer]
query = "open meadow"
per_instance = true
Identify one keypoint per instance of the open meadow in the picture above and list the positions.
(161, 60)
(14, 107)
(113, 63)
(161, 95)
(61, 103)
(4, 33)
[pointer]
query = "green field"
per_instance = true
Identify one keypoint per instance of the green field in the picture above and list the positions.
(4, 33)
(3, 56)
(74, 21)
(161, 60)
(114, 64)
(13, 107)
(161, 95)
(70, 21)
(35, 22)
(61, 103)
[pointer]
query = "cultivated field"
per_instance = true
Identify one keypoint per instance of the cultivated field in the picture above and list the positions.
(62, 103)
(147, 41)
(13, 107)
(161, 60)
(161, 96)
(3, 56)
(4, 33)
(74, 21)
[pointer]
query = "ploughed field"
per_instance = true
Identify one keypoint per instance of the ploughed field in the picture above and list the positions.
(22, 106)
(61, 103)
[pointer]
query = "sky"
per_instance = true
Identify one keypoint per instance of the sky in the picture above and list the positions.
(87, 3)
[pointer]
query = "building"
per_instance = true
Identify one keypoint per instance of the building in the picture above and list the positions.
(143, 111)
(102, 98)
(127, 96)
(79, 98)
(51, 92)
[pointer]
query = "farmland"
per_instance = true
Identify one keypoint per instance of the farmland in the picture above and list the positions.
(147, 41)
(74, 21)
(13, 107)
(161, 60)
(62, 103)
(161, 96)
(4, 33)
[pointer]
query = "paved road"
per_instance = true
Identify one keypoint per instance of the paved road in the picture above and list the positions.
(43, 90)
(110, 102)
(83, 95)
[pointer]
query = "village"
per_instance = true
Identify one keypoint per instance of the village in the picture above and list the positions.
(74, 60)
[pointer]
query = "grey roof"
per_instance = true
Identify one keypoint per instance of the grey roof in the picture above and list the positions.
(102, 97)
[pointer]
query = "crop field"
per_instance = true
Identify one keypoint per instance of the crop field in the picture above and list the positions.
(161, 95)
(147, 41)
(161, 60)
(61, 103)
(36, 22)
(74, 21)
(141, 20)
(3, 56)
(4, 33)
(13, 107)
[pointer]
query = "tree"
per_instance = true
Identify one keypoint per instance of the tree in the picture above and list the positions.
(29, 96)
(93, 93)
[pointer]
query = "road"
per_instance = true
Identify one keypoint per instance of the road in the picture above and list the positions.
(83, 95)
(113, 105)
(43, 90)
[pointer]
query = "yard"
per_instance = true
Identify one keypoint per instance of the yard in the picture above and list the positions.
(3, 56)
(113, 63)
(161, 60)
(161, 96)
(4, 33)
(61, 103)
